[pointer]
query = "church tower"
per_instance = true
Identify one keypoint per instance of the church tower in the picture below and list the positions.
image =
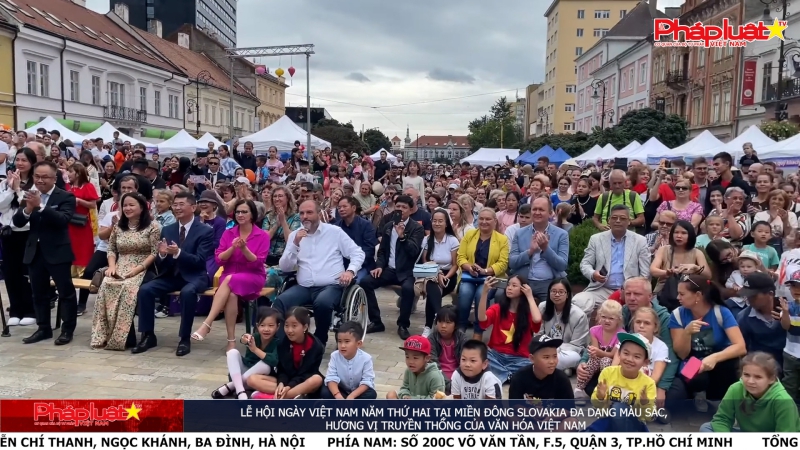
(408, 138)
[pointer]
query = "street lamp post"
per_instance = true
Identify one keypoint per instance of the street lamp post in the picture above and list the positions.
(600, 84)
(202, 77)
(610, 114)
(781, 7)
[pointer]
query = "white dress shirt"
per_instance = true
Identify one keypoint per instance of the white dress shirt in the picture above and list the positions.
(351, 373)
(319, 260)
(393, 246)
(187, 226)
(6, 211)
(43, 201)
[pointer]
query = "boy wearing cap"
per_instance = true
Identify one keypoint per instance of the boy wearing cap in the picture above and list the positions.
(749, 263)
(760, 322)
(625, 386)
(542, 380)
(422, 378)
(790, 320)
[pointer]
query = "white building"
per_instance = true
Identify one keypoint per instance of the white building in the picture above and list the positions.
(84, 69)
(621, 63)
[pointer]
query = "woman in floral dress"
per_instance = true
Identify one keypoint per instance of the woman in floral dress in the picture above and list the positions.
(131, 250)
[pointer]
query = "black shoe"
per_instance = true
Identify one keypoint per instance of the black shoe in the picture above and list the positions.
(81, 309)
(403, 333)
(184, 348)
(147, 342)
(38, 335)
(64, 339)
(375, 328)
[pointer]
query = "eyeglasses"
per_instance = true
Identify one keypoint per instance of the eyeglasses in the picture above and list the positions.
(42, 177)
(241, 213)
(667, 224)
(681, 188)
(213, 163)
(558, 293)
(618, 219)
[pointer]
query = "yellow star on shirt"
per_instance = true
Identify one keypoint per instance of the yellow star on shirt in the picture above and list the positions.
(133, 411)
(509, 334)
(776, 29)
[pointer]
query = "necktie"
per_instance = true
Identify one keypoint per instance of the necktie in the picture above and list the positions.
(182, 237)
(213, 179)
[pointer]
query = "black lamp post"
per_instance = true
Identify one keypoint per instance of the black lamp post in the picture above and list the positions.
(202, 77)
(600, 84)
(610, 114)
(782, 6)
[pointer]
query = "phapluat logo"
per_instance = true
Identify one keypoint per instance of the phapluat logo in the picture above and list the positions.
(670, 33)
(50, 412)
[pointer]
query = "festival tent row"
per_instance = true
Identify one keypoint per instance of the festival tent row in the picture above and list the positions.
(50, 124)
(556, 157)
(692, 149)
(389, 156)
(202, 143)
(282, 134)
(491, 156)
(598, 153)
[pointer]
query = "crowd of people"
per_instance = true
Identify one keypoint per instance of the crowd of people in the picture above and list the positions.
(691, 293)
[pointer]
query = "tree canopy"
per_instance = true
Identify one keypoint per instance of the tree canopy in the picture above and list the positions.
(486, 131)
(376, 140)
(342, 136)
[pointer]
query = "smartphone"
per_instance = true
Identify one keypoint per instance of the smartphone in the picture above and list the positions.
(117, 276)
(502, 283)
(671, 170)
(603, 271)
(197, 179)
(397, 217)
(691, 368)
(776, 304)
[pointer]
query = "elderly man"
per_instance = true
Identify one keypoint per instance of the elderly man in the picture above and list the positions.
(612, 257)
(619, 196)
(638, 294)
(540, 251)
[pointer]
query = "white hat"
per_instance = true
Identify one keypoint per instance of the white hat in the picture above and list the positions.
(452, 186)
(243, 180)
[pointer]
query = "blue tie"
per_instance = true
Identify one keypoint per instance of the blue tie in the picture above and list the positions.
(45, 198)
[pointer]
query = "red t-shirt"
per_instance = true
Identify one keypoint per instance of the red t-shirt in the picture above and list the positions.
(617, 297)
(724, 183)
(640, 188)
(300, 350)
(502, 336)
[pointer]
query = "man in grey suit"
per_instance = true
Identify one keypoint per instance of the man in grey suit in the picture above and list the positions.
(540, 251)
(612, 257)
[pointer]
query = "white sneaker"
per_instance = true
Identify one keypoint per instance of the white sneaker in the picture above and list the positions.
(580, 394)
(426, 332)
(26, 321)
(700, 402)
(13, 321)
(161, 314)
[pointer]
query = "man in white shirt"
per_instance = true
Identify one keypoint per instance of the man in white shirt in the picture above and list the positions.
(316, 252)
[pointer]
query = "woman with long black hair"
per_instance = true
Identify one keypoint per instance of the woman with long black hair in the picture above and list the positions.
(12, 189)
(561, 321)
(441, 247)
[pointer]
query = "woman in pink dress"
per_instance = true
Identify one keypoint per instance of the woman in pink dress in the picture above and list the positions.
(242, 253)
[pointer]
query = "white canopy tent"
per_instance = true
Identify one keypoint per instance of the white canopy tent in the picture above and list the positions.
(788, 148)
(389, 156)
(50, 124)
(282, 135)
(630, 147)
(652, 146)
(696, 147)
(753, 135)
(593, 154)
(491, 156)
(202, 143)
(181, 144)
(106, 131)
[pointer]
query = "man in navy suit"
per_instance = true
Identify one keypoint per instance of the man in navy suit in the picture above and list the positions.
(181, 264)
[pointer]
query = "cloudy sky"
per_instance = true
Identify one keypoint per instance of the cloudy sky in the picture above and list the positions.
(445, 61)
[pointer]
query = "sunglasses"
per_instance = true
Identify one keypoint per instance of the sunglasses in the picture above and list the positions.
(681, 188)
(688, 279)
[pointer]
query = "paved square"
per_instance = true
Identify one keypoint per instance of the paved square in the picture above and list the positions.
(44, 370)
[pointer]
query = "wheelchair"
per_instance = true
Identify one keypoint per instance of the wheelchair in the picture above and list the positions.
(352, 306)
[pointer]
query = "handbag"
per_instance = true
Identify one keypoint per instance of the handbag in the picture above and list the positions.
(467, 278)
(668, 295)
(426, 270)
(79, 220)
(97, 280)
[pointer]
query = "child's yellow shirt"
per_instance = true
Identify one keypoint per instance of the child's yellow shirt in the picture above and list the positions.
(628, 391)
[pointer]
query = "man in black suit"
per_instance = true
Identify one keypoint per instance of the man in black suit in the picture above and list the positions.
(49, 210)
(181, 262)
(398, 252)
(214, 173)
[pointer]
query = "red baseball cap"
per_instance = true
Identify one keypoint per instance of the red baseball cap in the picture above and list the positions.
(417, 343)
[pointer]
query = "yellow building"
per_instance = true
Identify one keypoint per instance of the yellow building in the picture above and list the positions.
(7, 75)
(573, 26)
(271, 91)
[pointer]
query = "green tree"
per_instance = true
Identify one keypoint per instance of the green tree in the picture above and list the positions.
(341, 136)
(496, 130)
(376, 140)
(779, 131)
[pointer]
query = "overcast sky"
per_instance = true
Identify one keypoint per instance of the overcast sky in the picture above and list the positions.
(373, 55)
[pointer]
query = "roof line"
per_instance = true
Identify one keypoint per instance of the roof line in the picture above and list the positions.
(550, 8)
(134, 32)
(236, 80)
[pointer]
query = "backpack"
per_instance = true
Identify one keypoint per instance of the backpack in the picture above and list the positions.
(717, 313)
(604, 199)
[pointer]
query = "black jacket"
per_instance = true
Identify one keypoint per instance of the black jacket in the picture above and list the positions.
(291, 376)
(49, 228)
(735, 182)
(407, 249)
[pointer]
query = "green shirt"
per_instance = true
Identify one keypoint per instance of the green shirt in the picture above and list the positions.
(769, 256)
(774, 412)
(271, 358)
(602, 211)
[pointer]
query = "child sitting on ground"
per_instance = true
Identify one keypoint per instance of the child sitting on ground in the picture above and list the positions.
(299, 357)
(758, 403)
(422, 378)
(602, 342)
(624, 387)
(749, 262)
(257, 368)
(447, 342)
(473, 380)
(350, 372)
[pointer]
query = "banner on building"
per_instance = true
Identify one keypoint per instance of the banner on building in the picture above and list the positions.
(749, 83)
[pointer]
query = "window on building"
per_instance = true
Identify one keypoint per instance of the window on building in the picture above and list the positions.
(581, 14)
(578, 51)
(726, 106)
(569, 126)
(715, 108)
(95, 90)
(602, 14)
(74, 86)
(570, 88)
(701, 57)
(44, 80)
(174, 105)
(624, 86)
(143, 99)
(632, 78)
(580, 32)
(117, 93)
(206, 109)
(569, 107)
(580, 99)
(213, 115)
(642, 73)
(600, 32)
(697, 111)
(622, 13)
(33, 78)
(157, 103)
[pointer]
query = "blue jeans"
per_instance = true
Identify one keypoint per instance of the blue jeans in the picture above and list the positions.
(620, 422)
(361, 274)
(323, 300)
(468, 296)
(503, 365)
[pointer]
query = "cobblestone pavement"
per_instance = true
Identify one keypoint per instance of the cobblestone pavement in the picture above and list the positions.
(44, 370)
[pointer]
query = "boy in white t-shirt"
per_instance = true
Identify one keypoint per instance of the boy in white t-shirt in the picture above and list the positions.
(523, 220)
(473, 380)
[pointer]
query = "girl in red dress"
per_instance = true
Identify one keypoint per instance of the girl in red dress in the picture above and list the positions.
(81, 235)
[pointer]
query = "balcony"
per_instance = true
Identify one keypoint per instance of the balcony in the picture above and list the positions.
(124, 114)
(678, 79)
(791, 88)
